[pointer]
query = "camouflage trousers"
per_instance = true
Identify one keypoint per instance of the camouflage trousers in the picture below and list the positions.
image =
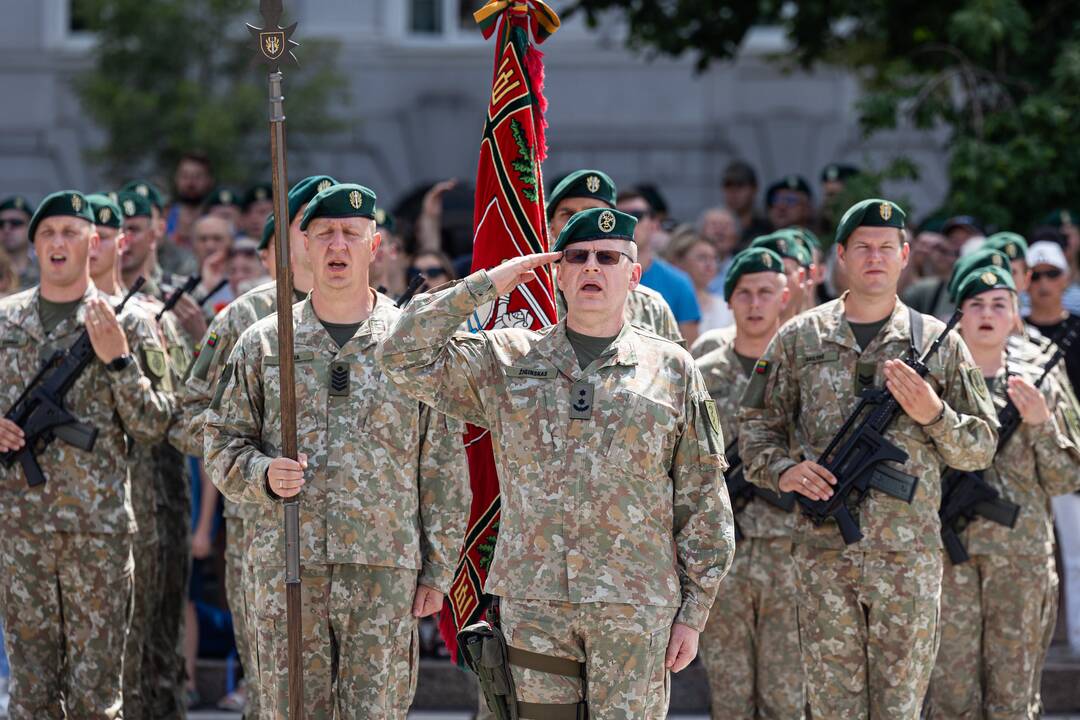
(622, 646)
(138, 670)
(66, 603)
(166, 645)
(360, 641)
(994, 614)
(750, 647)
(868, 630)
(240, 599)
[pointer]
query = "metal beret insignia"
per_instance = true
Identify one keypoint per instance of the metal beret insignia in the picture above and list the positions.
(260, 193)
(1066, 217)
(606, 221)
(592, 183)
(356, 199)
(1010, 249)
(76, 203)
(226, 197)
(129, 207)
(104, 215)
(142, 190)
(781, 245)
(996, 259)
(19, 203)
(323, 185)
(885, 210)
(988, 278)
(766, 260)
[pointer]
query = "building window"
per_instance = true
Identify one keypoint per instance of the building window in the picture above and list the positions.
(443, 19)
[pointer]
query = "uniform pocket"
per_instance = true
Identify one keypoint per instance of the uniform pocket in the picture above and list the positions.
(640, 439)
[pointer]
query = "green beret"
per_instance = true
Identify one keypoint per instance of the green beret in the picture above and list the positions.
(809, 239)
(223, 196)
(596, 224)
(1061, 217)
(1012, 244)
(786, 244)
(106, 212)
(751, 260)
(873, 212)
(981, 279)
(257, 193)
(980, 258)
(834, 172)
(340, 201)
(791, 182)
(133, 204)
(384, 219)
(148, 190)
(583, 183)
(70, 203)
(300, 193)
(17, 202)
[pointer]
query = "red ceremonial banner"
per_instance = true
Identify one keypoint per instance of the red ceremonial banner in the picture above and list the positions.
(508, 221)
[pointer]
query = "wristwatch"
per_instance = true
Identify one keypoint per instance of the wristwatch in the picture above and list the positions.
(118, 364)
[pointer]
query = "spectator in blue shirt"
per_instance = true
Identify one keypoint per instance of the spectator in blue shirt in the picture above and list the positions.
(657, 274)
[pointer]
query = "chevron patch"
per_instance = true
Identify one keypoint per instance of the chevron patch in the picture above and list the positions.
(339, 379)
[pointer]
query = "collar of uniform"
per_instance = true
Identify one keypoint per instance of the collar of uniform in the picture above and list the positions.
(556, 346)
(898, 327)
(311, 333)
(34, 328)
(837, 329)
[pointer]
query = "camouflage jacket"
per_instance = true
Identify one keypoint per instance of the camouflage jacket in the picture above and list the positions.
(809, 379)
(85, 491)
(725, 380)
(1038, 462)
(387, 482)
(710, 340)
(214, 349)
(624, 504)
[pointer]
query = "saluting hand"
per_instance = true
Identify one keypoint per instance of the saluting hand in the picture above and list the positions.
(286, 476)
(915, 395)
(1029, 402)
(519, 270)
(106, 335)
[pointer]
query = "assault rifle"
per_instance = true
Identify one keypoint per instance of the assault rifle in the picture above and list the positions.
(170, 302)
(742, 492)
(40, 410)
(967, 495)
(856, 456)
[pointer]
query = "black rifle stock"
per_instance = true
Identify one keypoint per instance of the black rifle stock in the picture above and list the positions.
(966, 495)
(40, 410)
(857, 454)
(741, 492)
(170, 302)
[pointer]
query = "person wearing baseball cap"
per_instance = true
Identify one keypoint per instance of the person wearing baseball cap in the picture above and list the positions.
(1049, 280)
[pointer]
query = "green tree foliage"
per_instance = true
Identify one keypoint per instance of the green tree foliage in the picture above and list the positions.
(1003, 76)
(175, 75)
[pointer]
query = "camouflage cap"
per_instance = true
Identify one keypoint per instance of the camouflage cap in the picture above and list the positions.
(751, 260)
(223, 196)
(148, 190)
(300, 193)
(340, 201)
(1012, 244)
(788, 182)
(17, 202)
(980, 258)
(134, 204)
(257, 193)
(582, 183)
(982, 279)
(106, 212)
(596, 224)
(786, 244)
(872, 212)
(69, 203)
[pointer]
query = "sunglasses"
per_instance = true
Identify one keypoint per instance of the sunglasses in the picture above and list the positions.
(1051, 274)
(580, 256)
(429, 273)
(11, 223)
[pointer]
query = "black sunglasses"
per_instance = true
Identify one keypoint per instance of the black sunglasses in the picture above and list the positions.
(11, 223)
(1051, 274)
(430, 273)
(580, 256)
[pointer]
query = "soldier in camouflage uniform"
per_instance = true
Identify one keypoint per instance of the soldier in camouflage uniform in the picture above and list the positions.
(383, 516)
(194, 399)
(995, 607)
(67, 545)
(15, 212)
(867, 612)
(584, 189)
(616, 528)
(750, 647)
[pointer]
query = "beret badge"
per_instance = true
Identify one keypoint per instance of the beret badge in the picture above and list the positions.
(606, 222)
